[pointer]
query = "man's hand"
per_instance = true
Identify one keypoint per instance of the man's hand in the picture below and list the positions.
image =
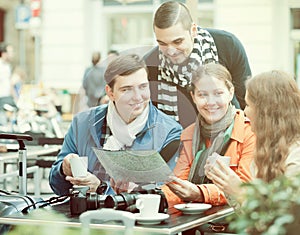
(90, 180)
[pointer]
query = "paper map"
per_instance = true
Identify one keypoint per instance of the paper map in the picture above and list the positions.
(137, 166)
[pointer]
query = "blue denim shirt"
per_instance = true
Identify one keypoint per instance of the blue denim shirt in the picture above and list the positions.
(85, 133)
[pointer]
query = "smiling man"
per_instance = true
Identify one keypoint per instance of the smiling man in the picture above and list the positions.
(182, 47)
(128, 121)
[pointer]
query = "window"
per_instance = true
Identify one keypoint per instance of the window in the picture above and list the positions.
(296, 18)
(130, 30)
(126, 2)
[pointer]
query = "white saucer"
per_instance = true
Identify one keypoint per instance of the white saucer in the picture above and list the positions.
(151, 220)
(192, 208)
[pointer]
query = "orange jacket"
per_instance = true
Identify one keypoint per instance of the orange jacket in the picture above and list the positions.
(240, 150)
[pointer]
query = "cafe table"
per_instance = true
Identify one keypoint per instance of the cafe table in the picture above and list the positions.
(175, 224)
(33, 152)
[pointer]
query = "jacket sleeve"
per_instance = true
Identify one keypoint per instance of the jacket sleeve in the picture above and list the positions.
(151, 60)
(57, 181)
(181, 170)
(239, 68)
(242, 157)
(246, 154)
(232, 55)
(211, 193)
(167, 135)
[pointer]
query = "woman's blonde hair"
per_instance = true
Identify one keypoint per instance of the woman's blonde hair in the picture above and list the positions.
(276, 100)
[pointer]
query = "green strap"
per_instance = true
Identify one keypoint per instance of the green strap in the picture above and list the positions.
(227, 136)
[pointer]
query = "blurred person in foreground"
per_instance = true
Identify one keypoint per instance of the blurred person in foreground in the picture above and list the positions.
(273, 106)
(128, 121)
(219, 128)
(182, 47)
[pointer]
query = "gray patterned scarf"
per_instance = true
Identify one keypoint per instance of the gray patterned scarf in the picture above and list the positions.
(219, 133)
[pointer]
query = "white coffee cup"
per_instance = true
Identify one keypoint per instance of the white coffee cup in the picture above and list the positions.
(148, 204)
(214, 157)
(78, 166)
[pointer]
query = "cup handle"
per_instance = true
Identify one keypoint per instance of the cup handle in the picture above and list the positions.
(139, 204)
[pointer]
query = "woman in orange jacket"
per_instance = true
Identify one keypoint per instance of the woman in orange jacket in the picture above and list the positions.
(219, 128)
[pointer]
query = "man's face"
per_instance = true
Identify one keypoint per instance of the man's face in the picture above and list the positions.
(131, 94)
(175, 42)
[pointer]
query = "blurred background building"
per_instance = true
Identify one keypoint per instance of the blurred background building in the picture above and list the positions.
(54, 39)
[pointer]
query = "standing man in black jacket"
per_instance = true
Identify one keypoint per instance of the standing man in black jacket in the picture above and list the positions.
(182, 47)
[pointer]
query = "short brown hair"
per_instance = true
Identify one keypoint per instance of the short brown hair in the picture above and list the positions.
(123, 65)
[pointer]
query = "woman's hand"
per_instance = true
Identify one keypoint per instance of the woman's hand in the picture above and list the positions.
(224, 178)
(185, 190)
(90, 180)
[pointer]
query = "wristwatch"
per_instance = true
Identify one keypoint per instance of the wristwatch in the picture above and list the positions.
(101, 188)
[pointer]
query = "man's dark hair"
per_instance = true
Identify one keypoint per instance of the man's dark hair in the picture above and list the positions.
(171, 13)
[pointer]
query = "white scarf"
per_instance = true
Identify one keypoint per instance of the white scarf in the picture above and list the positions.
(123, 134)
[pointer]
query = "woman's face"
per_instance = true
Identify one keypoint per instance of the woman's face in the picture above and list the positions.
(212, 98)
(249, 110)
(131, 94)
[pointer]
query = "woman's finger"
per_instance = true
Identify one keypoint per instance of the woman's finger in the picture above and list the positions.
(215, 171)
(223, 167)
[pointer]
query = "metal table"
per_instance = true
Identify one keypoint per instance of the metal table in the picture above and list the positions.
(176, 223)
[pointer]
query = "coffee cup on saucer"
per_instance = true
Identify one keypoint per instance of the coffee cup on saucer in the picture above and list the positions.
(148, 204)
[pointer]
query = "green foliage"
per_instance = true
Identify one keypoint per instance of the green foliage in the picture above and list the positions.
(269, 208)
